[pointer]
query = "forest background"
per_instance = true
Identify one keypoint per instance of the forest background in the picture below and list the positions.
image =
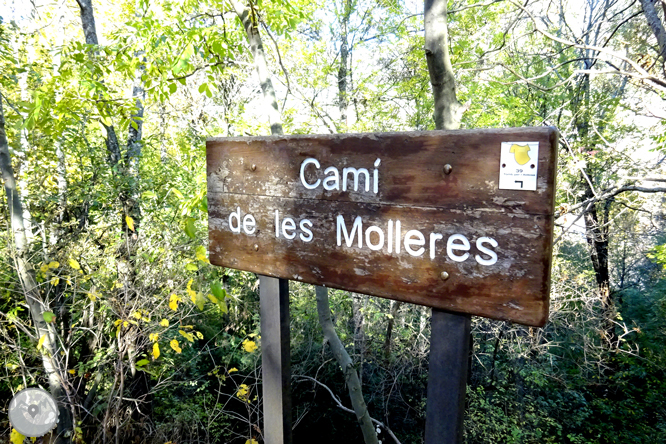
(108, 300)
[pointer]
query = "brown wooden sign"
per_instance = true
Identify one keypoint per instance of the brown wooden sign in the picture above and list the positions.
(457, 220)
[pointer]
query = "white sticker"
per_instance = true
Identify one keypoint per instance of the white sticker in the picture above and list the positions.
(519, 162)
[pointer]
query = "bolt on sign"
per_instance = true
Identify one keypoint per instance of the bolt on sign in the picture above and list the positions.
(456, 220)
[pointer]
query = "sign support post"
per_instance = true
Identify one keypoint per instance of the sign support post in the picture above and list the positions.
(447, 377)
(275, 359)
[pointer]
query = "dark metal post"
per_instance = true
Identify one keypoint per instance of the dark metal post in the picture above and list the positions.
(447, 377)
(275, 359)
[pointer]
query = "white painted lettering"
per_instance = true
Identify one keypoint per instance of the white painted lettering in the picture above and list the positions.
(451, 245)
(493, 256)
(375, 179)
(434, 237)
(308, 233)
(315, 162)
(356, 173)
(390, 236)
(410, 240)
(397, 237)
(249, 224)
(235, 215)
(332, 181)
(380, 233)
(356, 228)
(288, 224)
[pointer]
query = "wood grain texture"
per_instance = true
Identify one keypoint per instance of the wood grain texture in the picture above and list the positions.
(261, 174)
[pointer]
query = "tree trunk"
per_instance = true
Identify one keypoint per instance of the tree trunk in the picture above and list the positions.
(657, 26)
(53, 367)
(448, 111)
(248, 17)
(90, 33)
(395, 306)
(343, 101)
(351, 376)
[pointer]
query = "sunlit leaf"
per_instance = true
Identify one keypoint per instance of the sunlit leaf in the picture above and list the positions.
(156, 351)
(187, 335)
(142, 362)
(249, 346)
(175, 346)
(74, 264)
(130, 222)
(40, 343)
(48, 316)
(165, 322)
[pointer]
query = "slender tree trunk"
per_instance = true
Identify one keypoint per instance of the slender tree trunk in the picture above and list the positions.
(395, 306)
(90, 33)
(343, 359)
(53, 367)
(448, 111)
(248, 17)
(655, 23)
(343, 101)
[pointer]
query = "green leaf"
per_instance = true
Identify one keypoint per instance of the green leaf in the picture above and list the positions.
(142, 362)
(218, 291)
(173, 88)
(191, 267)
(189, 228)
(48, 317)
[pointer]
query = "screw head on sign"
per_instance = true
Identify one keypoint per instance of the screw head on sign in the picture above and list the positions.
(256, 247)
(444, 275)
(447, 169)
(254, 167)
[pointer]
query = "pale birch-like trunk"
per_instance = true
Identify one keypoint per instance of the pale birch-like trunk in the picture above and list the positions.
(343, 359)
(249, 19)
(656, 25)
(53, 367)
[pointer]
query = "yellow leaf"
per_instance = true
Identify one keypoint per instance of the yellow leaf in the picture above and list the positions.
(213, 299)
(136, 315)
(186, 335)
(118, 322)
(174, 344)
(200, 253)
(189, 290)
(72, 371)
(44, 268)
(249, 346)
(55, 281)
(153, 337)
(74, 264)
(164, 322)
(243, 392)
(173, 302)
(16, 437)
(130, 222)
(92, 296)
(40, 343)
(251, 441)
(231, 370)
(156, 351)
(199, 334)
(54, 264)
(125, 324)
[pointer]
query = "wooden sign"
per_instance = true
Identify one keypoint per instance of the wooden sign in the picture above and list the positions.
(457, 220)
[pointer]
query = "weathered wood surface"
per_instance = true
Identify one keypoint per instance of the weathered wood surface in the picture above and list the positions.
(262, 174)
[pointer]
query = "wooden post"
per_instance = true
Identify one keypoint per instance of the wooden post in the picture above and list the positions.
(447, 377)
(276, 359)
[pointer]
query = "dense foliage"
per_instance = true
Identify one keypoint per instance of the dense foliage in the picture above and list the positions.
(153, 344)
